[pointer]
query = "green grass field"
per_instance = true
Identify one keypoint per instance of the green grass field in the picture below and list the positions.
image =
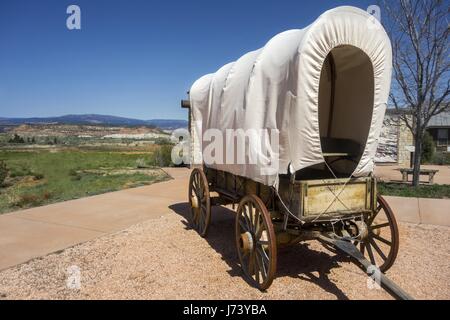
(42, 177)
(423, 191)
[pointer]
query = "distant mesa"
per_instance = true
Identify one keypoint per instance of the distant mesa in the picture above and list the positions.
(97, 119)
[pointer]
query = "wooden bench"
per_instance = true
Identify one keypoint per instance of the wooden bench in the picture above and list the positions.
(407, 171)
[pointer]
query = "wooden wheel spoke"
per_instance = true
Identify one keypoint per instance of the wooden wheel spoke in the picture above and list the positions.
(264, 257)
(381, 225)
(257, 276)
(195, 213)
(260, 265)
(369, 251)
(197, 179)
(362, 248)
(389, 243)
(257, 223)
(201, 191)
(198, 216)
(202, 218)
(259, 230)
(204, 206)
(378, 249)
(251, 263)
(242, 225)
(195, 182)
(377, 211)
(250, 212)
(247, 218)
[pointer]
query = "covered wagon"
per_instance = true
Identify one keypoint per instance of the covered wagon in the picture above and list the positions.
(289, 133)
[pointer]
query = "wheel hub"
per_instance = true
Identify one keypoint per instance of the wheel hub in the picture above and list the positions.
(246, 241)
(358, 230)
(362, 230)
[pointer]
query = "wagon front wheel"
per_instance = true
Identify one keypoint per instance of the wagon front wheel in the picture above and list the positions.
(255, 241)
(199, 201)
(381, 245)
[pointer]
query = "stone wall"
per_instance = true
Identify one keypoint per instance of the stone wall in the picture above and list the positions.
(405, 142)
(395, 140)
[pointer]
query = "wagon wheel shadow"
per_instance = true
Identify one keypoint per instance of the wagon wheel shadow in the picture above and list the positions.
(297, 261)
(304, 263)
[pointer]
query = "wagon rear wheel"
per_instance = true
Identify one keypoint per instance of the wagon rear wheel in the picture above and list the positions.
(199, 201)
(255, 241)
(380, 246)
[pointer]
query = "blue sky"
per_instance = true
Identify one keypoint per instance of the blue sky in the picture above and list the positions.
(130, 58)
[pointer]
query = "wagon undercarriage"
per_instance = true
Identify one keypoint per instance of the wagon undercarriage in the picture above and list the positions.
(346, 214)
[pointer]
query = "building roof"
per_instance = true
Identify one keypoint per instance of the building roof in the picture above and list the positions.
(440, 120)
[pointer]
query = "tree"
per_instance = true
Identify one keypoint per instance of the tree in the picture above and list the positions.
(16, 139)
(419, 33)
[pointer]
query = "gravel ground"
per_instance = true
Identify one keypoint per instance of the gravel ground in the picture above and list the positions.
(164, 259)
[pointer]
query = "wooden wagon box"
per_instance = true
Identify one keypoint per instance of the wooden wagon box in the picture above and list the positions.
(313, 198)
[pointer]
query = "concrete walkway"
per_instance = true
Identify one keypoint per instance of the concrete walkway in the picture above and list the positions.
(421, 210)
(35, 232)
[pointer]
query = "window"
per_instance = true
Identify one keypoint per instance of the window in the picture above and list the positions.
(442, 137)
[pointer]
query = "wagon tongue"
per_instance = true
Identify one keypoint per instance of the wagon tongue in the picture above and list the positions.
(372, 271)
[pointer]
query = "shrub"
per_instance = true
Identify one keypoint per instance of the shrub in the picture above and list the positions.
(32, 199)
(3, 172)
(75, 178)
(38, 176)
(28, 200)
(46, 195)
(74, 175)
(441, 158)
(428, 148)
(16, 139)
(162, 141)
(162, 157)
(20, 172)
(141, 164)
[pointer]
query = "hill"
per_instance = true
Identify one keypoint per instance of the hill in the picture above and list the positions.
(97, 119)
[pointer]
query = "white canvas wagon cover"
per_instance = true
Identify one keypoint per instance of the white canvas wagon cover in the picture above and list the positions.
(328, 80)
